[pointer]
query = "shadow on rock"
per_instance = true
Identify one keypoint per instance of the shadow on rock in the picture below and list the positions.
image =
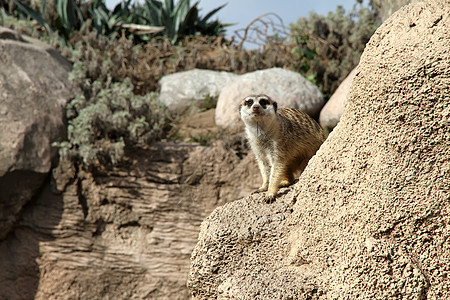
(20, 250)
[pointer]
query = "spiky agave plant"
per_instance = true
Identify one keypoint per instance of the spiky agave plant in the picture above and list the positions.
(181, 19)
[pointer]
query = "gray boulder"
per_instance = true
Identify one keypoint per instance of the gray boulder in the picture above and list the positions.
(288, 88)
(181, 90)
(332, 111)
(34, 88)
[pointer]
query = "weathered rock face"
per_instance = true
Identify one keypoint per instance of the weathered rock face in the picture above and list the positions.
(370, 213)
(125, 233)
(197, 126)
(288, 88)
(332, 111)
(182, 90)
(33, 92)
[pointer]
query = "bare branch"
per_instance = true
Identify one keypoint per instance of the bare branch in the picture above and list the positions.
(265, 29)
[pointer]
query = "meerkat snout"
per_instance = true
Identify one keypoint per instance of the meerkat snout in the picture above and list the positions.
(283, 140)
(252, 108)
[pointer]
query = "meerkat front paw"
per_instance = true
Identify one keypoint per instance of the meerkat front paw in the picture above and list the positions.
(263, 188)
(269, 198)
(260, 190)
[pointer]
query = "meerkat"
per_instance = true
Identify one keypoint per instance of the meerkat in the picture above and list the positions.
(282, 139)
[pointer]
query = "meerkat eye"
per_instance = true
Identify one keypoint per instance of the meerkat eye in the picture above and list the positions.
(264, 102)
(249, 102)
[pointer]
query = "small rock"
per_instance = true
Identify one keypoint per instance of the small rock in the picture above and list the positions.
(181, 90)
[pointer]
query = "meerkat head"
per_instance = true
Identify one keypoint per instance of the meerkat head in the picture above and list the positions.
(255, 107)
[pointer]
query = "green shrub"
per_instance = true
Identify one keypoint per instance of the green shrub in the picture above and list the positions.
(102, 57)
(107, 117)
(328, 47)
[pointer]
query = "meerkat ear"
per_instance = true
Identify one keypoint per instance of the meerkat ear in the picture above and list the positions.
(275, 106)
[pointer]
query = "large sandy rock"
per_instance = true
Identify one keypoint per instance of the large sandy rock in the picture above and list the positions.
(182, 90)
(34, 89)
(125, 233)
(332, 111)
(288, 88)
(369, 217)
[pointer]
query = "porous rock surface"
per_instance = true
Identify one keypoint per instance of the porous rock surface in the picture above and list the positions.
(182, 90)
(369, 217)
(288, 88)
(34, 88)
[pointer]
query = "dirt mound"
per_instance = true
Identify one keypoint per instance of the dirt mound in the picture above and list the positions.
(371, 213)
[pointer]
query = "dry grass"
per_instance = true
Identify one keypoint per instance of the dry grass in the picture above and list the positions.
(146, 64)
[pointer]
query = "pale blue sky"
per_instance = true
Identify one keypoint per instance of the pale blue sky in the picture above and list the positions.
(243, 12)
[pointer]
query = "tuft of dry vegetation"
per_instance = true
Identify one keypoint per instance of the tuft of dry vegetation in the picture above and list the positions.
(145, 64)
(328, 47)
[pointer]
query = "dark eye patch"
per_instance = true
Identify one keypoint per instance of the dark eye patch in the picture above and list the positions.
(264, 102)
(249, 102)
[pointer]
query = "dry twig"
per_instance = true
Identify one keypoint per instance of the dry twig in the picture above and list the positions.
(265, 29)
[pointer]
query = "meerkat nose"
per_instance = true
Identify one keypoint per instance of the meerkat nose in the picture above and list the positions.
(255, 108)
